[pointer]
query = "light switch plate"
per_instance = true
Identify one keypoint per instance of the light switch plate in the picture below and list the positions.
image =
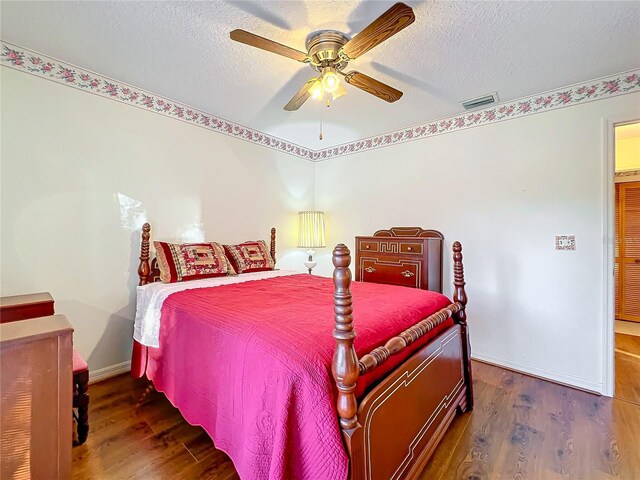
(565, 242)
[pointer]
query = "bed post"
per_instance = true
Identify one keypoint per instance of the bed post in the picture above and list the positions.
(345, 361)
(144, 269)
(460, 296)
(139, 353)
(272, 250)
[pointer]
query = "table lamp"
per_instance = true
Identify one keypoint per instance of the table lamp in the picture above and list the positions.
(311, 234)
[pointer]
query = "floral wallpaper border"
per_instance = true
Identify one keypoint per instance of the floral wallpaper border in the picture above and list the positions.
(25, 60)
(606, 87)
(42, 66)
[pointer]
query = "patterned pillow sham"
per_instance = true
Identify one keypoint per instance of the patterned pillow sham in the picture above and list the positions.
(250, 257)
(230, 269)
(190, 261)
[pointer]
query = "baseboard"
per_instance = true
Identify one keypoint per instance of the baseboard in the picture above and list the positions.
(108, 372)
(543, 373)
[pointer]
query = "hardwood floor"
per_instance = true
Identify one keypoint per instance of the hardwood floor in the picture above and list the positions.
(628, 368)
(526, 428)
(135, 433)
(522, 428)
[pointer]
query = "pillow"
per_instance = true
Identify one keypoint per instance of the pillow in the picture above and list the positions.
(230, 269)
(190, 261)
(250, 257)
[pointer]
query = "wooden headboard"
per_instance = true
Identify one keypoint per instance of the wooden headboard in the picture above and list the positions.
(149, 271)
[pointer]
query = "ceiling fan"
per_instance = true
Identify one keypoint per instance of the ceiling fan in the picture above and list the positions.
(329, 52)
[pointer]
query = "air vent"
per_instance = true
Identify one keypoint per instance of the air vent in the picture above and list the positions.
(480, 101)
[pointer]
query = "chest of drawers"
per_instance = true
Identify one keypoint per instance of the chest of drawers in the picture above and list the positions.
(36, 403)
(406, 256)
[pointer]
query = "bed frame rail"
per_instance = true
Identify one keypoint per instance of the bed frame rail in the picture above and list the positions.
(395, 345)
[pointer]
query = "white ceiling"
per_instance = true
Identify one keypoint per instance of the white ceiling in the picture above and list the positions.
(454, 51)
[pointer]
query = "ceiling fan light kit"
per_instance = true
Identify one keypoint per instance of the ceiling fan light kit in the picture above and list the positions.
(330, 80)
(329, 52)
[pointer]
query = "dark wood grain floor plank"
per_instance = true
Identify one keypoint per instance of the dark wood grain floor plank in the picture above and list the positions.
(626, 419)
(441, 458)
(477, 454)
(560, 449)
(525, 443)
(217, 466)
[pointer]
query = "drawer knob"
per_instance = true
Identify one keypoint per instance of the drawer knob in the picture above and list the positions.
(369, 269)
(409, 249)
(407, 273)
(367, 247)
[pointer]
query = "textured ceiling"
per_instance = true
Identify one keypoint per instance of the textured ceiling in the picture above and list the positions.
(454, 51)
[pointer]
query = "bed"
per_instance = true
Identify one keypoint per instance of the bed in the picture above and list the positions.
(268, 363)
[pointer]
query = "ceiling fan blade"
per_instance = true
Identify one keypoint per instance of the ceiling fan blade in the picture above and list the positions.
(300, 97)
(373, 86)
(257, 41)
(386, 25)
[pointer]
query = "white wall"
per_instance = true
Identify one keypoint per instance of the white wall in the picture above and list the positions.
(71, 162)
(503, 190)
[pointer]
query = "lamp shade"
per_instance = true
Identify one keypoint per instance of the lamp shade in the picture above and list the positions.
(311, 229)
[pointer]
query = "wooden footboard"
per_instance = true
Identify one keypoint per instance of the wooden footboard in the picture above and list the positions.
(396, 427)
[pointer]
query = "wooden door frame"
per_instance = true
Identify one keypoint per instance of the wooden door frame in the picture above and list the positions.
(608, 330)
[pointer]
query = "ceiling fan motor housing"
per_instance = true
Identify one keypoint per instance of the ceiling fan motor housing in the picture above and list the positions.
(323, 48)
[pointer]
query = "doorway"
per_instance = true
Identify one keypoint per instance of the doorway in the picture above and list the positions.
(627, 262)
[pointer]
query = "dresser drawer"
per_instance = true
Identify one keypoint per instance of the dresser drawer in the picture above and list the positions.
(411, 247)
(392, 271)
(368, 246)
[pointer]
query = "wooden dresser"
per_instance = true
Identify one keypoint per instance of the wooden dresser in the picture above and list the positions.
(36, 373)
(406, 256)
(35, 306)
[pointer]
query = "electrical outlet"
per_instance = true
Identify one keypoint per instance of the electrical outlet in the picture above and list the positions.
(565, 242)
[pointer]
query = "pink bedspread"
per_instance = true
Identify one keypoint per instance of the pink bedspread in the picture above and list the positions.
(251, 363)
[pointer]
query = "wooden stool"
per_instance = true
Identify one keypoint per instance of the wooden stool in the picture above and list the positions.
(81, 396)
(24, 307)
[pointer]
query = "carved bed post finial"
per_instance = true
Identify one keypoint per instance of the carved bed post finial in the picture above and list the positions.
(345, 361)
(460, 296)
(144, 269)
(273, 244)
